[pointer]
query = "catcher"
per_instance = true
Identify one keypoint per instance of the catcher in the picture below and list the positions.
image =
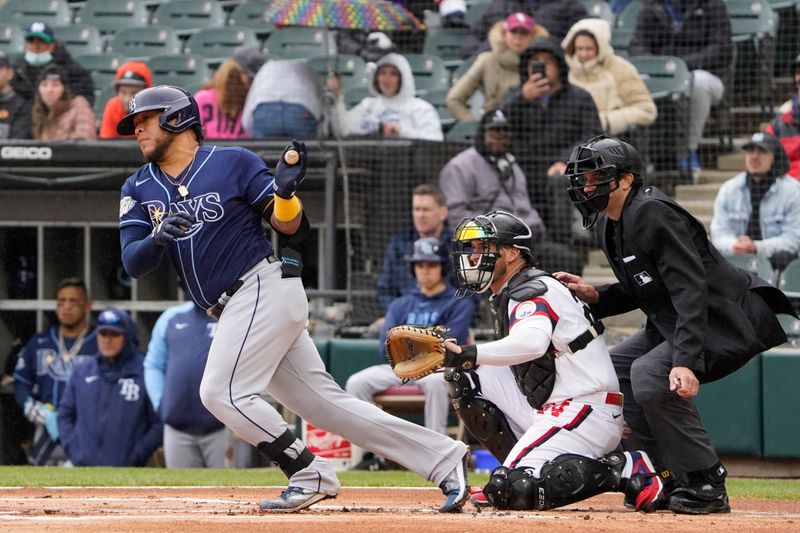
(544, 398)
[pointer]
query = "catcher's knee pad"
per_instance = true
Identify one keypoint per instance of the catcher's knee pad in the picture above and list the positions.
(483, 419)
(512, 488)
(275, 451)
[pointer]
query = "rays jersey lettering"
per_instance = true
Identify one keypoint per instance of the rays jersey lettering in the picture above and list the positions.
(423, 317)
(228, 188)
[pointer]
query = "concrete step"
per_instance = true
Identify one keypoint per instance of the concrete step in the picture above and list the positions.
(597, 275)
(702, 191)
(597, 257)
(733, 161)
(631, 319)
(698, 208)
(717, 176)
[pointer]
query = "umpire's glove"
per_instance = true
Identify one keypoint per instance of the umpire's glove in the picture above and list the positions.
(288, 177)
(173, 227)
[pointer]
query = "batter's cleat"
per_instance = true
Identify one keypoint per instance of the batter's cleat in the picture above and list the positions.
(703, 493)
(643, 486)
(478, 498)
(293, 499)
(456, 487)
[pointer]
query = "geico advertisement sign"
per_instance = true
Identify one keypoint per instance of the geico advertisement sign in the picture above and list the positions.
(26, 152)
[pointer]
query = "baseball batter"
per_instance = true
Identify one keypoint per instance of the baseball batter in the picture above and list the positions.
(550, 346)
(203, 207)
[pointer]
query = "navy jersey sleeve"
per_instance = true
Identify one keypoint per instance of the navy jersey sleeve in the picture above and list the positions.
(25, 373)
(140, 254)
(255, 179)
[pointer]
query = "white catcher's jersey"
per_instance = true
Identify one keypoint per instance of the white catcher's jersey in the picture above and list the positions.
(556, 318)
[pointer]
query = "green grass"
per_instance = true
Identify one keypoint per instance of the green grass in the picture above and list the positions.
(28, 476)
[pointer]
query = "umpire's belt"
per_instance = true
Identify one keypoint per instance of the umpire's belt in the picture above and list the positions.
(215, 311)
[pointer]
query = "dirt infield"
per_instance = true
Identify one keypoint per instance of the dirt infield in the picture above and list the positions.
(356, 510)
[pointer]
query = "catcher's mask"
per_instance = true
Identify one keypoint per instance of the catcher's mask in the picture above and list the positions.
(476, 247)
(594, 170)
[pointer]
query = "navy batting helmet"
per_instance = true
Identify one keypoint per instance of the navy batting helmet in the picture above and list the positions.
(176, 103)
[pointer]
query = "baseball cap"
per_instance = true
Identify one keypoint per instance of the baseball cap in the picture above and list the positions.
(111, 319)
(41, 31)
(764, 141)
(4, 61)
(427, 249)
(495, 119)
(250, 58)
(519, 21)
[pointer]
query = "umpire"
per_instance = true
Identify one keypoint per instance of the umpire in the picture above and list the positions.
(705, 318)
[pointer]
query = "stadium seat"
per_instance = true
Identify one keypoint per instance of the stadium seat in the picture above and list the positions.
(665, 76)
(102, 67)
(110, 16)
(215, 45)
(438, 98)
(622, 30)
(189, 16)
(144, 42)
(463, 131)
(101, 96)
(446, 43)
(24, 12)
(354, 95)
(599, 9)
(251, 15)
(349, 67)
(756, 264)
(461, 70)
(429, 72)
(12, 39)
(80, 38)
(790, 280)
(300, 43)
(475, 9)
(184, 70)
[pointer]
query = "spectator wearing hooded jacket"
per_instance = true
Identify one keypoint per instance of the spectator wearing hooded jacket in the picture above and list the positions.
(758, 210)
(786, 127)
(105, 417)
(131, 78)
(393, 111)
(548, 116)
(15, 115)
(621, 97)
(496, 71)
(57, 114)
(42, 49)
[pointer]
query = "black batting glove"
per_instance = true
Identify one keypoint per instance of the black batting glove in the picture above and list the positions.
(173, 227)
(288, 177)
(467, 359)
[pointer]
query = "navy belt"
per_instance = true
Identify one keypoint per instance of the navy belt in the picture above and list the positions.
(215, 311)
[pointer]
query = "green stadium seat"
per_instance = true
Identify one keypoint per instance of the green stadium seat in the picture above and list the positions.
(102, 67)
(462, 69)
(438, 98)
(599, 9)
(300, 43)
(353, 95)
(664, 76)
(429, 72)
(790, 280)
(101, 96)
(12, 39)
(251, 15)
(348, 356)
(109, 16)
(24, 12)
(756, 264)
(184, 70)
(446, 43)
(215, 45)
(463, 131)
(80, 38)
(189, 16)
(143, 42)
(475, 9)
(791, 326)
(623, 28)
(349, 67)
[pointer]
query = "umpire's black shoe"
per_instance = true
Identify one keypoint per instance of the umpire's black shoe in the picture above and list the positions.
(703, 493)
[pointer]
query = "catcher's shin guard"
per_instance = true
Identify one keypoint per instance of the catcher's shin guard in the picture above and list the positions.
(275, 451)
(566, 479)
(484, 420)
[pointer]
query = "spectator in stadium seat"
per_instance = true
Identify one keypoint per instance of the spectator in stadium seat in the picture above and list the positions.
(428, 219)
(786, 126)
(758, 210)
(699, 32)
(496, 71)
(393, 111)
(284, 100)
(131, 77)
(548, 117)
(557, 16)
(57, 114)
(15, 116)
(105, 417)
(222, 99)
(42, 49)
(622, 99)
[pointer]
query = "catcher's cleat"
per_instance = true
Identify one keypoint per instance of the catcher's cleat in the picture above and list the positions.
(456, 487)
(478, 498)
(643, 485)
(293, 499)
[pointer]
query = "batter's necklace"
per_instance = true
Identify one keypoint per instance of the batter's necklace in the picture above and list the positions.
(177, 181)
(67, 355)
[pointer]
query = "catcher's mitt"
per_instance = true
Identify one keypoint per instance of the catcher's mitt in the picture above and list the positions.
(416, 351)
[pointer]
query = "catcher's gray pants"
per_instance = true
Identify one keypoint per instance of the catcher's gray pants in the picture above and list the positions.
(663, 424)
(370, 381)
(262, 341)
(184, 450)
(707, 91)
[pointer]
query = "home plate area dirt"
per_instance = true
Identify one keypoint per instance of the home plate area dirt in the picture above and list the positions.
(355, 510)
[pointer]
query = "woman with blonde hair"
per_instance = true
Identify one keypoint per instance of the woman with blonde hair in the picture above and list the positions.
(222, 99)
(57, 114)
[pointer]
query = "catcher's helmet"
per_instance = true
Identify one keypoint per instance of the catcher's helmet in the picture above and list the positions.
(177, 104)
(601, 160)
(482, 236)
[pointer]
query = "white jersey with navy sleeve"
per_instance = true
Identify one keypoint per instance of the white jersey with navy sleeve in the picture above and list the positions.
(227, 187)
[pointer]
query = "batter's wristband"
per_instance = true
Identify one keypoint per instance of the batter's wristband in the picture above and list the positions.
(286, 210)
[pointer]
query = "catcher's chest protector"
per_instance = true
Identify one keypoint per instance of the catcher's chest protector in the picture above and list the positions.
(535, 378)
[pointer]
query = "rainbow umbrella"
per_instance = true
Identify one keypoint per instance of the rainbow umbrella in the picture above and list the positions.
(378, 15)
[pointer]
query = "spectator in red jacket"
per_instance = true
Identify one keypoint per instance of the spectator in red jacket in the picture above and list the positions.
(786, 127)
(131, 77)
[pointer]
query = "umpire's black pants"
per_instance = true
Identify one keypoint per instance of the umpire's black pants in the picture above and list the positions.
(663, 424)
